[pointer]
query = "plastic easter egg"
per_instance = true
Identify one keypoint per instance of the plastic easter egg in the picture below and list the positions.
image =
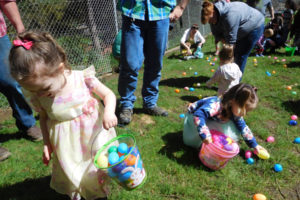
(262, 154)
(113, 158)
(192, 89)
(130, 160)
(294, 117)
(248, 154)
(190, 68)
(212, 70)
(183, 73)
(177, 90)
(196, 73)
(229, 140)
(186, 88)
(275, 58)
(278, 168)
(269, 56)
(215, 59)
(111, 173)
(215, 138)
(112, 149)
(123, 148)
(198, 84)
(228, 147)
(289, 87)
(213, 64)
(125, 176)
(254, 60)
(255, 64)
(259, 196)
(121, 158)
(200, 96)
(294, 92)
(268, 73)
(297, 140)
(182, 115)
(102, 161)
(270, 139)
(283, 60)
(285, 65)
(250, 161)
(273, 72)
(293, 123)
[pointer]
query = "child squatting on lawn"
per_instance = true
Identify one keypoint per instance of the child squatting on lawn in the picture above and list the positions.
(228, 73)
(235, 103)
(70, 115)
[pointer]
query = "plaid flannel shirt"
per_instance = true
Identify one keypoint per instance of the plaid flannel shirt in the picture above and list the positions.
(156, 9)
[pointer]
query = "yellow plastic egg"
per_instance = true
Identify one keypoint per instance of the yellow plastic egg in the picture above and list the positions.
(102, 161)
(262, 154)
(259, 196)
(229, 140)
(273, 72)
(200, 96)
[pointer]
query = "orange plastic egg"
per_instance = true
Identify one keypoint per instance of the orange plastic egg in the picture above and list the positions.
(177, 90)
(273, 72)
(285, 66)
(183, 73)
(289, 87)
(130, 160)
(212, 70)
(259, 197)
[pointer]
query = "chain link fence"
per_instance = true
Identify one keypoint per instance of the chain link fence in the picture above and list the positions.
(86, 28)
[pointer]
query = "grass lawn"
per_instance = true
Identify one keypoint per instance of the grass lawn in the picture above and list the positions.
(174, 170)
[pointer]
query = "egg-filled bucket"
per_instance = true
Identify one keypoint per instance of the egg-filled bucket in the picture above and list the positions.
(216, 154)
(290, 50)
(121, 160)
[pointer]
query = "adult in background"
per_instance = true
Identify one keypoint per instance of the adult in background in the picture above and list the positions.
(145, 27)
(236, 24)
(191, 40)
(261, 6)
(8, 86)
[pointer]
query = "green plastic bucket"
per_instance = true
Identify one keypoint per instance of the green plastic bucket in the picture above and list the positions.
(121, 160)
(290, 50)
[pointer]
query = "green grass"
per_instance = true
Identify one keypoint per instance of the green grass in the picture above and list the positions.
(174, 170)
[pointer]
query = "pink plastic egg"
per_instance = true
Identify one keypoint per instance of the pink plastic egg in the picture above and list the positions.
(248, 154)
(186, 88)
(294, 117)
(270, 139)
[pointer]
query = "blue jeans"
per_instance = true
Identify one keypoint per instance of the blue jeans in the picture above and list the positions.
(12, 91)
(142, 41)
(244, 46)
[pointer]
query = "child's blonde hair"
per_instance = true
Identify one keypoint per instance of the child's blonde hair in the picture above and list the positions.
(268, 32)
(226, 54)
(244, 95)
(43, 50)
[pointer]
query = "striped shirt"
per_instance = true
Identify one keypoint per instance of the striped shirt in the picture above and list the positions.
(3, 28)
(151, 10)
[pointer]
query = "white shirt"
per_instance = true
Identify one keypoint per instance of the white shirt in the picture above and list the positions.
(197, 37)
(226, 76)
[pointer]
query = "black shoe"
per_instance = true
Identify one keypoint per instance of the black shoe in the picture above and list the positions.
(157, 111)
(4, 154)
(125, 116)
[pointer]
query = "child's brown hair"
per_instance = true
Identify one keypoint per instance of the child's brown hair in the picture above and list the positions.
(207, 10)
(244, 95)
(44, 50)
(226, 54)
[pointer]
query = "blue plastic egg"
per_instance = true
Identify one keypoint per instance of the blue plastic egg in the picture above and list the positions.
(196, 73)
(113, 158)
(123, 148)
(277, 167)
(293, 123)
(121, 158)
(268, 73)
(181, 115)
(111, 173)
(250, 161)
(192, 89)
(297, 140)
(125, 177)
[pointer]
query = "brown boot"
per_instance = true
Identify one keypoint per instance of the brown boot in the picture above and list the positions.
(4, 154)
(34, 133)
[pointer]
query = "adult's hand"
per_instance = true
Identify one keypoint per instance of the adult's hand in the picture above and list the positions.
(178, 10)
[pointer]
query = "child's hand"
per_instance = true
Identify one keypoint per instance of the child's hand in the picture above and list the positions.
(47, 154)
(109, 120)
(207, 140)
(191, 107)
(261, 152)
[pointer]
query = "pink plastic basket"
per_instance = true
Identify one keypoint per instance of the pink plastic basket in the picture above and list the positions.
(215, 157)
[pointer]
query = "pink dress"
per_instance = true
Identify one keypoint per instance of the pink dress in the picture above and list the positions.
(76, 133)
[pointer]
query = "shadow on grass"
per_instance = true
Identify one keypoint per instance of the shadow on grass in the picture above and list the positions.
(183, 82)
(174, 145)
(293, 64)
(32, 189)
(292, 106)
(175, 56)
(10, 136)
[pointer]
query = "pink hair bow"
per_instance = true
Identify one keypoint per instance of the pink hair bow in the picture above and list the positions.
(26, 44)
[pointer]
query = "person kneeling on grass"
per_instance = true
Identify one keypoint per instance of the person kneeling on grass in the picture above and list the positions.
(235, 103)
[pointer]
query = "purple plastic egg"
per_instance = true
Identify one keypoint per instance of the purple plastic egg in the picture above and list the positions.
(228, 147)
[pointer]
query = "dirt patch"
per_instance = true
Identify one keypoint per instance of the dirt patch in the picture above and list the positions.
(146, 120)
(5, 114)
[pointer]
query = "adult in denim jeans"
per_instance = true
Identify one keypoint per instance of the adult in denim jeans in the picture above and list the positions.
(234, 23)
(25, 121)
(145, 28)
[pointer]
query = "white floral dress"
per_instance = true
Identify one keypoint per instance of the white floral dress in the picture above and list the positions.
(75, 128)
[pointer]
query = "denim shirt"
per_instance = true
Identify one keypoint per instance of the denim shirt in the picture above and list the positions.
(210, 108)
(152, 10)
